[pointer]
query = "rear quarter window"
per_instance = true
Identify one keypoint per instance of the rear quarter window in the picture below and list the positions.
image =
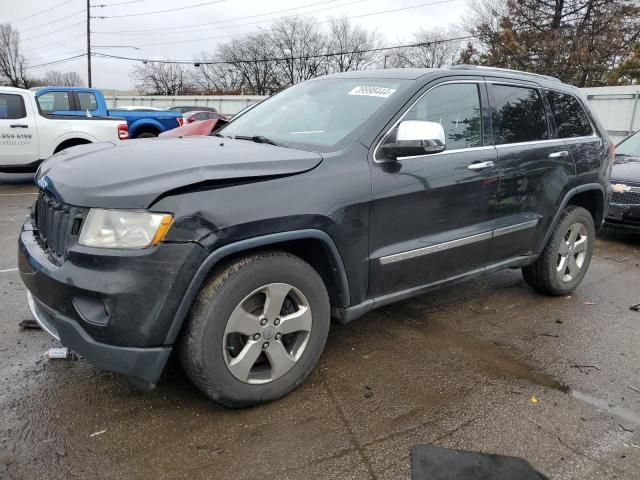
(11, 107)
(571, 119)
(87, 101)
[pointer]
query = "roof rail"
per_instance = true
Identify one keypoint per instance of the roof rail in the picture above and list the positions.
(465, 66)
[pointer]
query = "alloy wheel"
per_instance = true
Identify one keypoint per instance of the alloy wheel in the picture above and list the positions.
(572, 252)
(267, 333)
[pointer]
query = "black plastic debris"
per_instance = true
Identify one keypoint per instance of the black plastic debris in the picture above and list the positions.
(28, 324)
(635, 308)
(433, 463)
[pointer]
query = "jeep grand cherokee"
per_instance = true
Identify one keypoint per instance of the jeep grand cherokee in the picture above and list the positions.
(336, 196)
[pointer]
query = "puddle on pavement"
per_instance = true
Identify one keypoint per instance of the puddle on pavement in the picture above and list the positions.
(600, 404)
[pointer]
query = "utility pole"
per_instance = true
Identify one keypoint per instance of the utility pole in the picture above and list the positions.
(89, 43)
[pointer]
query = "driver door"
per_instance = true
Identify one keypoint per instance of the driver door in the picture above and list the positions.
(432, 214)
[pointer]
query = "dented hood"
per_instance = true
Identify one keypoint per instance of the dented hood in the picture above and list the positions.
(134, 173)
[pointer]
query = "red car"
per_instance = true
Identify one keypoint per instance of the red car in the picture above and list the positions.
(198, 115)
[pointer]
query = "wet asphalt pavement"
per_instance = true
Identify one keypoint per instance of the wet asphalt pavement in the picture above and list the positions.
(486, 365)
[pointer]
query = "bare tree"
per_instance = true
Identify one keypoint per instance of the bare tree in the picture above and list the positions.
(299, 49)
(12, 62)
(435, 50)
(215, 78)
(253, 59)
(161, 79)
(351, 45)
(55, 78)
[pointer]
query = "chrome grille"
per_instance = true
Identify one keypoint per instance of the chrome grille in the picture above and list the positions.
(53, 221)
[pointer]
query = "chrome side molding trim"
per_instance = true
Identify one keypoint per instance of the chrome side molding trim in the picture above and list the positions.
(439, 247)
(515, 228)
(459, 242)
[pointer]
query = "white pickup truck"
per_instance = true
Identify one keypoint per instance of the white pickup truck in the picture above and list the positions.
(27, 136)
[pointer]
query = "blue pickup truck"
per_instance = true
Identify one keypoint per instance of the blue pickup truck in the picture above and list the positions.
(76, 101)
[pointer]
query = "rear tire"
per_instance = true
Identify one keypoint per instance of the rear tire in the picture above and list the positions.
(565, 259)
(146, 135)
(256, 330)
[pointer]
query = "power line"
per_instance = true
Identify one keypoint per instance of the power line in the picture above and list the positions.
(280, 59)
(119, 3)
(41, 12)
(52, 21)
(275, 12)
(175, 42)
(82, 22)
(53, 62)
(160, 11)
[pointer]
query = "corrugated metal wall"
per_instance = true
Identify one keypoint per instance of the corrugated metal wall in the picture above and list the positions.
(618, 108)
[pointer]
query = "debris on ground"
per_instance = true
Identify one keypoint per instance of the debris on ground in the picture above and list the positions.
(625, 429)
(29, 323)
(95, 434)
(589, 303)
(586, 368)
(635, 308)
(57, 353)
(533, 400)
(635, 389)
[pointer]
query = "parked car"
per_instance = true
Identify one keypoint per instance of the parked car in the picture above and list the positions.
(140, 108)
(336, 196)
(192, 108)
(199, 128)
(196, 116)
(83, 102)
(624, 211)
(28, 135)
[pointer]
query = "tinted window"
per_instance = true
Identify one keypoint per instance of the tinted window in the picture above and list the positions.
(457, 108)
(571, 119)
(11, 106)
(518, 115)
(54, 102)
(87, 101)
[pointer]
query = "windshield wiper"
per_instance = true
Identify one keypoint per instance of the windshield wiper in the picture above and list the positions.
(259, 139)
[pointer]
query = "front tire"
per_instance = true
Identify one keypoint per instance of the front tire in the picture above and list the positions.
(565, 259)
(257, 329)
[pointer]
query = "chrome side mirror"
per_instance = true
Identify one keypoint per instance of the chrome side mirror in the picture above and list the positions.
(415, 137)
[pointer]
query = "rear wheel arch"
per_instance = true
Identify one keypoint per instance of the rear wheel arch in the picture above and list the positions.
(313, 246)
(146, 131)
(590, 196)
(71, 142)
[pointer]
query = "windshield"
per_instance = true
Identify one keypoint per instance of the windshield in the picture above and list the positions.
(630, 146)
(315, 115)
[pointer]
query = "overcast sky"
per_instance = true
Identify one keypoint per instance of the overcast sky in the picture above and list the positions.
(49, 36)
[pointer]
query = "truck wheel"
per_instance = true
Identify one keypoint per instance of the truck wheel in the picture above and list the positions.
(565, 259)
(257, 329)
(146, 135)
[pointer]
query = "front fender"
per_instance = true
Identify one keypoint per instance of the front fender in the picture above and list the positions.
(244, 245)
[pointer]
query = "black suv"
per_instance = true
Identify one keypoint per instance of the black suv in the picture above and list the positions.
(336, 196)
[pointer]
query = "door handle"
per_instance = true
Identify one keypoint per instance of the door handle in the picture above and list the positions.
(560, 154)
(19, 125)
(481, 165)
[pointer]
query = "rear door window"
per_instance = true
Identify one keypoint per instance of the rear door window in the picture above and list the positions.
(518, 115)
(11, 106)
(52, 102)
(87, 101)
(571, 119)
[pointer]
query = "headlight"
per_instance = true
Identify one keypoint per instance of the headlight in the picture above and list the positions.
(123, 229)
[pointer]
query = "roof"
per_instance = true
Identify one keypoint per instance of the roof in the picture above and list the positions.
(458, 70)
(13, 89)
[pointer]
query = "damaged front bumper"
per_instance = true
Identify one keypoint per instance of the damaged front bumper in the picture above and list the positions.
(114, 307)
(623, 216)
